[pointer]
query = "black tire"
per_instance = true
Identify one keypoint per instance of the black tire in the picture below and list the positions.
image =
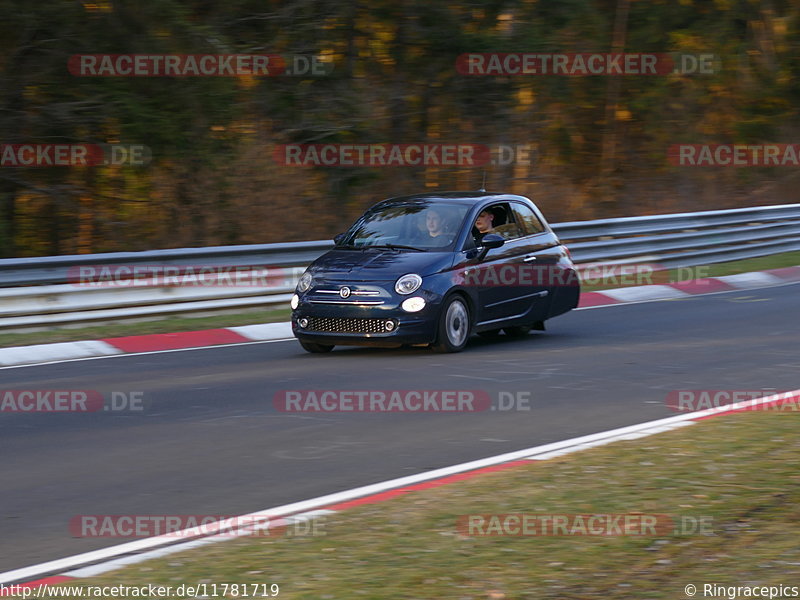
(454, 326)
(315, 348)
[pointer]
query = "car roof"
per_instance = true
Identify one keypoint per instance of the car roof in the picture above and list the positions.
(468, 198)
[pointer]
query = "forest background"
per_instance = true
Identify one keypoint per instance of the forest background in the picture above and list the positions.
(598, 144)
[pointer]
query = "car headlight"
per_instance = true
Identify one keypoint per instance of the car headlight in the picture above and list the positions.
(408, 284)
(295, 301)
(305, 282)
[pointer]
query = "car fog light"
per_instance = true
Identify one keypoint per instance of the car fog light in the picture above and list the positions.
(414, 304)
(303, 322)
(295, 301)
(389, 325)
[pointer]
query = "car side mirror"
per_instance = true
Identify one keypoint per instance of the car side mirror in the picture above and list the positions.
(338, 238)
(489, 242)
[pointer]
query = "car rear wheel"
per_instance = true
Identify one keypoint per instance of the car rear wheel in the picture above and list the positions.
(315, 348)
(454, 326)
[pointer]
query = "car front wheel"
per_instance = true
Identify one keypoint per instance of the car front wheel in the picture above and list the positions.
(454, 326)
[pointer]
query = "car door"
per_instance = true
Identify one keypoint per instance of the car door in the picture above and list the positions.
(540, 254)
(496, 278)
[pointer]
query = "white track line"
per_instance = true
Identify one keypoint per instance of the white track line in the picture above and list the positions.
(264, 331)
(754, 279)
(534, 453)
(56, 352)
(645, 292)
(126, 354)
(113, 565)
(688, 297)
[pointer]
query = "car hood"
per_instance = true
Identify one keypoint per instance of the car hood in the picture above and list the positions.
(378, 265)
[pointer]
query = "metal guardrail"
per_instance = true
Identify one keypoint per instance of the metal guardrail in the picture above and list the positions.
(39, 292)
(44, 270)
(675, 221)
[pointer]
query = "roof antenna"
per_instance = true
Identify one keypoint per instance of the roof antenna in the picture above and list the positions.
(483, 185)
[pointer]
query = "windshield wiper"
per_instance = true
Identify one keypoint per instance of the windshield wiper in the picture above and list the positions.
(397, 247)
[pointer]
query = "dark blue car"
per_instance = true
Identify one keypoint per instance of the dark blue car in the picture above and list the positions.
(433, 268)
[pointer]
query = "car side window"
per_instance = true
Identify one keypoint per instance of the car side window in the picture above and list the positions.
(528, 219)
(507, 228)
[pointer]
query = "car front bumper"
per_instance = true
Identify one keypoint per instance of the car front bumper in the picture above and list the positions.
(358, 325)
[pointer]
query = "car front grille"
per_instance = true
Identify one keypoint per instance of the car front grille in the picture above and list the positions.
(343, 325)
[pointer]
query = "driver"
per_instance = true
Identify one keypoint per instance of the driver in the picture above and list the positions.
(436, 227)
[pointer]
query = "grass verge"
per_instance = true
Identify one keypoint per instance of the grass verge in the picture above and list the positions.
(175, 324)
(738, 473)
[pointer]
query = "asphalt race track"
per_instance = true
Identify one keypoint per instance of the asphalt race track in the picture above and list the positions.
(211, 442)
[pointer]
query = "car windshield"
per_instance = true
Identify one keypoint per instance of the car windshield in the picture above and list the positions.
(409, 226)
